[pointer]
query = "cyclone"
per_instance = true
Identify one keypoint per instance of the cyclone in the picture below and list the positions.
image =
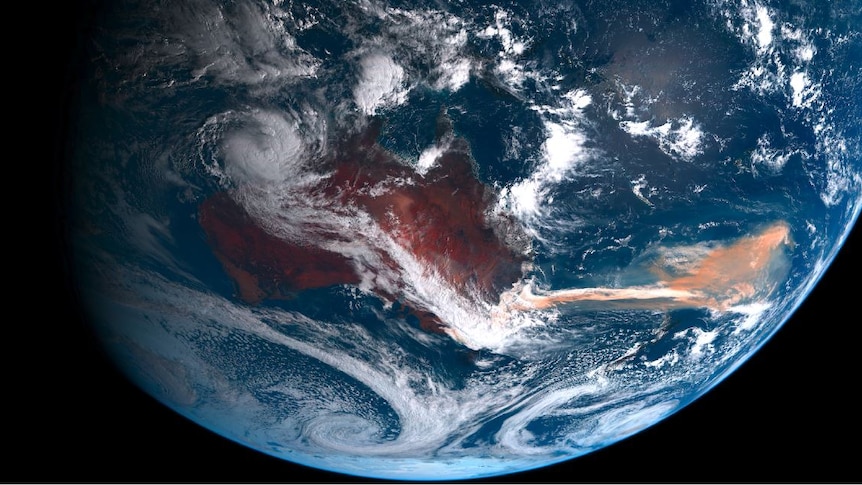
(452, 240)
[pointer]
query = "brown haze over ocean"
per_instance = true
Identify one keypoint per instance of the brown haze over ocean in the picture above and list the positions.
(714, 277)
(456, 268)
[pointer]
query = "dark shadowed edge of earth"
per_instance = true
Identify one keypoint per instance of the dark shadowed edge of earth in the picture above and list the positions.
(784, 416)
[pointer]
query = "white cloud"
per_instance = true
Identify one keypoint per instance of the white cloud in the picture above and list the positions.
(512, 47)
(437, 38)
(680, 138)
(562, 151)
(428, 158)
(804, 92)
(265, 148)
(764, 31)
(381, 83)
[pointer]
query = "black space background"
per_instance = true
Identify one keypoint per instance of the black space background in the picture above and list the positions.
(790, 414)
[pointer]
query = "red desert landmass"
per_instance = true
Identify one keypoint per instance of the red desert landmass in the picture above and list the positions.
(440, 217)
(444, 219)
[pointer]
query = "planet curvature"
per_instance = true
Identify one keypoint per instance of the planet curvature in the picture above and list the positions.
(453, 240)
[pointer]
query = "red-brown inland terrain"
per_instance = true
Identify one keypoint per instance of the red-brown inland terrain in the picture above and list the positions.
(441, 218)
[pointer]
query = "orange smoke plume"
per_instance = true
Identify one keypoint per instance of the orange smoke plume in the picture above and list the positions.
(716, 278)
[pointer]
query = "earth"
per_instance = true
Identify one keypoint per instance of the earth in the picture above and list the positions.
(450, 241)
